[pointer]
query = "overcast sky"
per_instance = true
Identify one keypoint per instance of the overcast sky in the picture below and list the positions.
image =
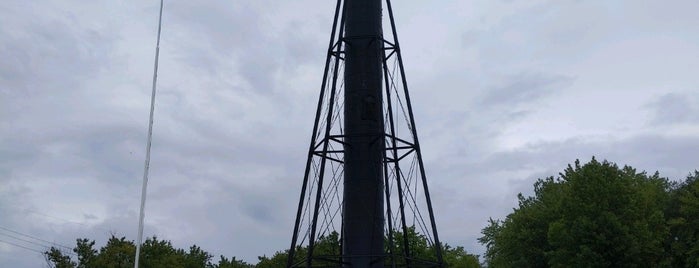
(504, 92)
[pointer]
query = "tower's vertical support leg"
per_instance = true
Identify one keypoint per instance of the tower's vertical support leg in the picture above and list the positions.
(389, 213)
(309, 161)
(438, 245)
(396, 165)
(326, 140)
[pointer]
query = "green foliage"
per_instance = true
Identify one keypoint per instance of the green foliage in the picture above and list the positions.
(196, 257)
(683, 213)
(418, 244)
(155, 253)
(593, 215)
(232, 263)
(86, 253)
(58, 259)
(459, 258)
(520, 240)
(119, 253)
(326, 245)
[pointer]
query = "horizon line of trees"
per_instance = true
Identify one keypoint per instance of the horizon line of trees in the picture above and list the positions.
(595, 214)
(120, 253)
(155, 253)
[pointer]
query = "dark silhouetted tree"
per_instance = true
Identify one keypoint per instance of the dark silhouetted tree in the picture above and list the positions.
(683, 213)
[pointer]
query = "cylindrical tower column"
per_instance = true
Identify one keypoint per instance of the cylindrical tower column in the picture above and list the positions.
(363, 207)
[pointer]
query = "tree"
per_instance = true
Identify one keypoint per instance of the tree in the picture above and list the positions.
(58, 259)
(195, 258)
(161, 253)
(520, 240)
(593, 215)
(683, 213)
(119, 252)
(459, 258)
(326, 245)
(86, 253)
(232, 263)
(156, 253)
(420, 248)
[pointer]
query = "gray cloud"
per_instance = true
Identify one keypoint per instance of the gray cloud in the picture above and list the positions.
(674, 108)
(524, 89)
(237, 90)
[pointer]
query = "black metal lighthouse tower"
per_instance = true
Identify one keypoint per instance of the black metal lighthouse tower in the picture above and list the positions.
(364, 191)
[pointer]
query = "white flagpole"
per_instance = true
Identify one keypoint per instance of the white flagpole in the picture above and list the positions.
(146, 166)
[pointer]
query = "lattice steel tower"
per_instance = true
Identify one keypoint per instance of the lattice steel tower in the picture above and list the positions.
(364, 191)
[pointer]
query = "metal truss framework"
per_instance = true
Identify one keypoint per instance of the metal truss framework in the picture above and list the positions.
(402, 165)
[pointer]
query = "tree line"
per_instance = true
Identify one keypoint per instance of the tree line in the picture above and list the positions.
(120, 253)
(595, 214)
(156, 253)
